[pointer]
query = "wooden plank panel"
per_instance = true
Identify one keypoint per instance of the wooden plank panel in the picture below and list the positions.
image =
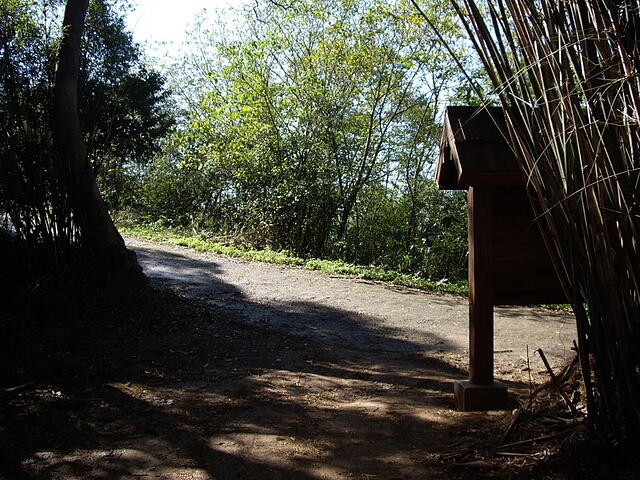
(523, 272)
(533, 252)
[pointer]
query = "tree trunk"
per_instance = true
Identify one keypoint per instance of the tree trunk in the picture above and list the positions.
(99, 237)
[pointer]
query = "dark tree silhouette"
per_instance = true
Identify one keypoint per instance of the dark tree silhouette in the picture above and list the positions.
(100, 238)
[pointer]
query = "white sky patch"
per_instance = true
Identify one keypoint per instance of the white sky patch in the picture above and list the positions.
(161, 25)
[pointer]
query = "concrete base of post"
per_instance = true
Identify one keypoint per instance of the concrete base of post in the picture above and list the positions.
(470, 397)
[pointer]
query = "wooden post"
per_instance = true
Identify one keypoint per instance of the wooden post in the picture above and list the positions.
(480, 207)
(480, 392)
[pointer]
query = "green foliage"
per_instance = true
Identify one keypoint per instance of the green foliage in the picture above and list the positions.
(313, 129)
(32, 201)
(166, 192)
(158, 232)
(434, 247)
(124, 107)
(122, 110)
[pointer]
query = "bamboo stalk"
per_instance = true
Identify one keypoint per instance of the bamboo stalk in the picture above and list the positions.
(567, 76)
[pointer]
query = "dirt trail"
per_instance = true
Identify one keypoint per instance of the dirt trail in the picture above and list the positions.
(350, 312)
(258, 371)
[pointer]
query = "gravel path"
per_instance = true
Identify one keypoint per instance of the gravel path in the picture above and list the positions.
(346, 311)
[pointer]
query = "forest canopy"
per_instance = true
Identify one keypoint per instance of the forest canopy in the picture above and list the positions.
(313, 127)
(310, 128)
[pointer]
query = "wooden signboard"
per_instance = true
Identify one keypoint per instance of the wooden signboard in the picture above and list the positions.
(508, 261)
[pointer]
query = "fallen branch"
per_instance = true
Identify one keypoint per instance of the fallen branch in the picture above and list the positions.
(557, 384)
(532, 440)
(511, 427)
(15, 390)
(512, 454)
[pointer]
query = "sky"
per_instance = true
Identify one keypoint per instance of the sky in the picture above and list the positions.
(166, 21)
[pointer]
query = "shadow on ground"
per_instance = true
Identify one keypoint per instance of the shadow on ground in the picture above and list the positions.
(166, 385)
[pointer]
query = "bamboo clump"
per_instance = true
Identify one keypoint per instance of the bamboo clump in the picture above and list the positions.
(567, 75)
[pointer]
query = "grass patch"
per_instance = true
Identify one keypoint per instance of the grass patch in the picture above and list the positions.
(198, 242)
